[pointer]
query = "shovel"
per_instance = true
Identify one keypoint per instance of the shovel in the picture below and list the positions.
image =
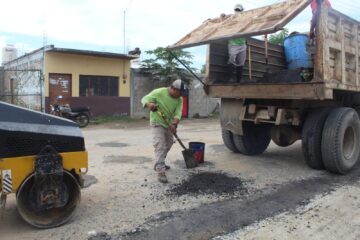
(188, 154)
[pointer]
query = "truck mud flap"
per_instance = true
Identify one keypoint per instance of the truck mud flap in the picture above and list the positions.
(230, 113)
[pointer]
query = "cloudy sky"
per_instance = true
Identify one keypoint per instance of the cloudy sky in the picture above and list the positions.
(99, 24)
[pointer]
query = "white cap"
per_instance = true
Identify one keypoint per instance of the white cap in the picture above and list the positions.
(180, 85)
(239, 7)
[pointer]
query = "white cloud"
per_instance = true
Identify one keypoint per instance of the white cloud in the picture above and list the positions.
(149, 24)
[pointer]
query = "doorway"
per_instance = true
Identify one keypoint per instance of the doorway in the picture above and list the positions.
(60, 84)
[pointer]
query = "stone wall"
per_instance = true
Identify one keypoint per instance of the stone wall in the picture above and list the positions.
(199, 104)
(141, 84)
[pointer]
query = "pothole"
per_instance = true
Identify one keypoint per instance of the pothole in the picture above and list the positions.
(218, 147)
(126, 159)
(210, 183)
(112, 144)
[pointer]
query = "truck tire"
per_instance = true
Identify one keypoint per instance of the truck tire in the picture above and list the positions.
(255, 140)
(311, 137)
(357, 109)
(340, 140)
(227, 137)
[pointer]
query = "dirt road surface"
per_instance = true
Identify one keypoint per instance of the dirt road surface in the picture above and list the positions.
(230, 196)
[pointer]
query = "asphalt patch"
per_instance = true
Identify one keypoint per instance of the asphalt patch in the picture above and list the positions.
(89, 180)
(214, 183)
(214, 219)
(112, 144)
(126, 159)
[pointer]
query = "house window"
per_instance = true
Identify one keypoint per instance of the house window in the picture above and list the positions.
(99, 85)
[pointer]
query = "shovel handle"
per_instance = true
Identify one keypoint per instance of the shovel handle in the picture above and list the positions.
(167, 123)
(178, 139)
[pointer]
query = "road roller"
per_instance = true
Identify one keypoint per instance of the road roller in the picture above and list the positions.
(42, 160)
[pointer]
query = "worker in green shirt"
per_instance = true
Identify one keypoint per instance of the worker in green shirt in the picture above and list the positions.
(168, 101)
(237, 50)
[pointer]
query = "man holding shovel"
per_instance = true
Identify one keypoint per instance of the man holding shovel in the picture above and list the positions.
(169, 102)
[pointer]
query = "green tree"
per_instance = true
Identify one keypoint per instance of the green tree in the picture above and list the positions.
(164, 67)
(203, 69)
(278, 38)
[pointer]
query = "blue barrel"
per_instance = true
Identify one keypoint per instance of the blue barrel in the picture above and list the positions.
(198, 149)
(296, 52)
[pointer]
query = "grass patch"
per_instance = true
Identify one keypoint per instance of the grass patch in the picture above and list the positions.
(214, 115)
(113, 119)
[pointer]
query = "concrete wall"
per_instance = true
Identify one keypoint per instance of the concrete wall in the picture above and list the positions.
(2, 83)
(200, 105)
(141, 84)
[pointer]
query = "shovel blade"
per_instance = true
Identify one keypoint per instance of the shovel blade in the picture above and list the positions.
(189, 158)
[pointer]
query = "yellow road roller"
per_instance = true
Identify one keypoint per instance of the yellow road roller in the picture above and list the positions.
(42, 160)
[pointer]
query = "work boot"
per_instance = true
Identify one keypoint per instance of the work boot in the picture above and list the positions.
(239, 71)
(162, 177)
(167, 167)
(230, 72)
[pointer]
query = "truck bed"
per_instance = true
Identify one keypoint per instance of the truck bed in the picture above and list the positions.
(336, 65)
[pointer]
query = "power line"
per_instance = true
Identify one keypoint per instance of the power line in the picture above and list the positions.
(124, 33)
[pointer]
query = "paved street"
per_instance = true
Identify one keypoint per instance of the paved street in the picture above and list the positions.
(230, 196)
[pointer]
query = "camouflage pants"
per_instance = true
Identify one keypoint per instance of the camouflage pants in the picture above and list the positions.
(237, 55)
(162, 142)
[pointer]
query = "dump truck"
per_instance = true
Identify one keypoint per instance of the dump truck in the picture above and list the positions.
(42, 160)
(318, 105)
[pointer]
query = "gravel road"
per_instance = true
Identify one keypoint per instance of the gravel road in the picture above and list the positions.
(230, 196)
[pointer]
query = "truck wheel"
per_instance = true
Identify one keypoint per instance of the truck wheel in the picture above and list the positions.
(357, 109)
(311, 137)
(255, 140)
(340, 140)
(227, 137)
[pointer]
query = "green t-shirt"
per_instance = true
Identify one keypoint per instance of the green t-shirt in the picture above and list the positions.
(237, 41)
(169, 106)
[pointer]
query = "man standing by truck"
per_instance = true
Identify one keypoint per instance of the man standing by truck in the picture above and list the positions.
(165, 105)
(237, 50)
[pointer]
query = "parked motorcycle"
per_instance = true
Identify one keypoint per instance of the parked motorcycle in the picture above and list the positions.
(80, 115)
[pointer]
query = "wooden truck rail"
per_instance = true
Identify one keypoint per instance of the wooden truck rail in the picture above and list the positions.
(336, 65)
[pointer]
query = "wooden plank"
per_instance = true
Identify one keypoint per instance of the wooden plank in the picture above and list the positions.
(343, 87)
(350, 50)
(311, 91)
(207, 67)
(263, 20)
(334, 45)
(261, 44)
(343, 53)
(321, 70)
